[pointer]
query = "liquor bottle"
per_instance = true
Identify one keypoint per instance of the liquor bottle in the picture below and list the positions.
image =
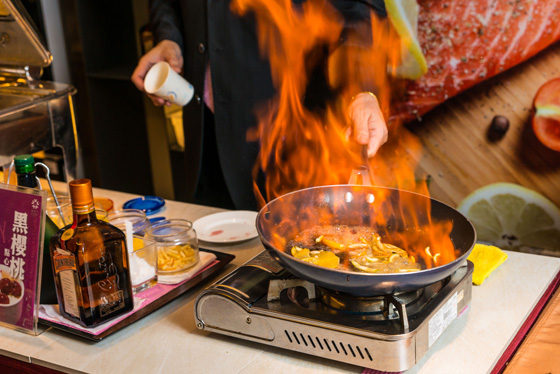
(25, 170)
(90, 262)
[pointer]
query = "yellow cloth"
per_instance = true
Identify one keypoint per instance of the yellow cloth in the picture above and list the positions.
(486, 259)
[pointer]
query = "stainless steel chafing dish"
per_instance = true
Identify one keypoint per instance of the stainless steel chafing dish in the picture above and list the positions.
(35, 115)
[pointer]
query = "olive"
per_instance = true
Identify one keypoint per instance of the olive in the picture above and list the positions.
(498, 127)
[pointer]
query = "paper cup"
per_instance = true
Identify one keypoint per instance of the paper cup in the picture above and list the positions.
(164, 82)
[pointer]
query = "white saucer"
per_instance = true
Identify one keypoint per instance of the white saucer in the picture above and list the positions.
(227, 227)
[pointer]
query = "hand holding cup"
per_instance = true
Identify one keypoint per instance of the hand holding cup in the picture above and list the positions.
(162, 81)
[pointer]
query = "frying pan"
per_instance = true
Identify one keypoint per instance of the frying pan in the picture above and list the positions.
(286, 216)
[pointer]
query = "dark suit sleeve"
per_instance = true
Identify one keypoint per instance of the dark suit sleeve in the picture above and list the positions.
(378, 6)
(354, 10)
(357, 16)
(356, 33)
(165, 21)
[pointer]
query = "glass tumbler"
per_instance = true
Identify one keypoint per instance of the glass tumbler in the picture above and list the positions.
(62, 213)
(138, 218)
(177, 245)
(143, 263)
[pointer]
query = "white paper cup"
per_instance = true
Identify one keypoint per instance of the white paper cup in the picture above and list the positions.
(162, 81)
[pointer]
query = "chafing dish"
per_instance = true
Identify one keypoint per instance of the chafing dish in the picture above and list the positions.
(35, 115)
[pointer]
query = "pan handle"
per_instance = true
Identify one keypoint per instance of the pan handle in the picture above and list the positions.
(361, 174)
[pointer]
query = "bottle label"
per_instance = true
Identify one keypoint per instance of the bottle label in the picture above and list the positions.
(107, 290)
(112, 303)
(68, 286)
(62, 262)
(65, 268)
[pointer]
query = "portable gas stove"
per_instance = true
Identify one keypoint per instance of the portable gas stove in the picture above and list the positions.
(263, 302)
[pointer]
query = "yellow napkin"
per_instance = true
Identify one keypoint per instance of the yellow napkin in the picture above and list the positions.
(486, 259)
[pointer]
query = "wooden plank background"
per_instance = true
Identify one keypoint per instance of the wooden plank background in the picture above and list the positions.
(457, 153)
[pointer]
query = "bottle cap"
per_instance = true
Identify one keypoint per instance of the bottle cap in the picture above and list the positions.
(24, 163)
(81, 195)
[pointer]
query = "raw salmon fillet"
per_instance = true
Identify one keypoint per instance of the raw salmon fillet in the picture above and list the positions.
(467, 42)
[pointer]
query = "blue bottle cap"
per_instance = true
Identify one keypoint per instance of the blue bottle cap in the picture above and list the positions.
(148, 204)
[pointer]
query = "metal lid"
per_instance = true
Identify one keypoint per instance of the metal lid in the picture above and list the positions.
(20, 44)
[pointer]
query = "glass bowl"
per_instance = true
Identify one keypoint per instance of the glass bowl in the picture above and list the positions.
(177, 245)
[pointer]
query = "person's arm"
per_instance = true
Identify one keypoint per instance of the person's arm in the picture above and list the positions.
(166, 27)
(368, 124)
(165, 21)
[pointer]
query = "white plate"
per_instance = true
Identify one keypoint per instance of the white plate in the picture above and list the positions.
(227, 227)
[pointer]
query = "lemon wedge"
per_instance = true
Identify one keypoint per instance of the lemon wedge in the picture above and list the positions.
(514, 217)
(137, 243)
(325, 259)
(299, 252)
(486, 259)
(404, 18)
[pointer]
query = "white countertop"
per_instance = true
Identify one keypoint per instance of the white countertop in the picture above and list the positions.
(167, 340)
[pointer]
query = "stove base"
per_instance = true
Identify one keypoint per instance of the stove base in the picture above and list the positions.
(237, 306)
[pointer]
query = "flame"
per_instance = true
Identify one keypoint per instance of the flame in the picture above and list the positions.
(304, 143)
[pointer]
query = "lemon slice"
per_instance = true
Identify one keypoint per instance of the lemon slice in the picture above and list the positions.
(514, 217)
(404, 17)
(325, 259)
(299, 252)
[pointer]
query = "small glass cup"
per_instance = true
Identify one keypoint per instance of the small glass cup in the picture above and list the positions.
(100, 213)
(177, 245)
(60, 214)
(64, 207)
(140, 221)
(104, 203)
(143, 263)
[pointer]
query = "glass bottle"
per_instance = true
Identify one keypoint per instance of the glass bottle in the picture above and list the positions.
(90, 262)
(25, 171)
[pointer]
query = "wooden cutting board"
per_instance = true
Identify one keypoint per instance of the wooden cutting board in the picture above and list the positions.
(458, 154)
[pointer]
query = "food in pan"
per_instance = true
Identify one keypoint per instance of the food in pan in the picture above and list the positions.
(355, 248)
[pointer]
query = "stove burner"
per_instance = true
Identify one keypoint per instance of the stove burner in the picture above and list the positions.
(301, 294)
(345, 303)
